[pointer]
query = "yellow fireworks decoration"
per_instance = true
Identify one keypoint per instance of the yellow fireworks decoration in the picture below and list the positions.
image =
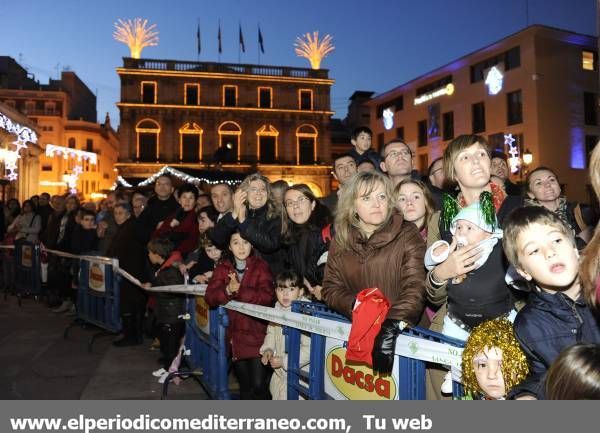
(136, 34)
(312, 49)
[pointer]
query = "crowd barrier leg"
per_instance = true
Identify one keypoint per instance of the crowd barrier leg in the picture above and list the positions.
(292, 342)
(220, 360)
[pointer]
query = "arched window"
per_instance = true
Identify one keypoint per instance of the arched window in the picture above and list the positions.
(267, 138)
(72, 143)
(147, 144)
(229, 142)
(190, 143)
(306, 144)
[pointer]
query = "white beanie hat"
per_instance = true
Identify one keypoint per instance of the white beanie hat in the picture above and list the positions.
(473, 214)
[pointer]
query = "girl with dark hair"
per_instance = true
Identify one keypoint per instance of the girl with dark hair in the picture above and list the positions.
(244, 277)
(303, 238)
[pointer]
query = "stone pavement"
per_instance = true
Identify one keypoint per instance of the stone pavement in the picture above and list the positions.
(36, 362)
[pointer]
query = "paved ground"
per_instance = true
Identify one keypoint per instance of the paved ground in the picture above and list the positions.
(36, 362)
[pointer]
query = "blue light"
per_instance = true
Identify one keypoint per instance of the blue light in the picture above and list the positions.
(577, 148)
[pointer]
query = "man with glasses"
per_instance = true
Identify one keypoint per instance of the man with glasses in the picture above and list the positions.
(344, 167)
(396, 160)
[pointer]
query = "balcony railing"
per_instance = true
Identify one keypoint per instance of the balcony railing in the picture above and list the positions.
(224, 68)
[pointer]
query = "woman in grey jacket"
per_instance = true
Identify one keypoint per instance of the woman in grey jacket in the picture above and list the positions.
(28, 224)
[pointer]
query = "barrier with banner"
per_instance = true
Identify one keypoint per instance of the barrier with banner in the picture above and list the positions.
(205, 346)
(98, 294)
(27, 268)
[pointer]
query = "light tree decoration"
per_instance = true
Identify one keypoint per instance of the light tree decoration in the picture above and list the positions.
(312, 49)
(136, 34)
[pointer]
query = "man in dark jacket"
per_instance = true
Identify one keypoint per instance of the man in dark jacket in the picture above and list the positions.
(160, 206)
(44, 210)
(344, 167)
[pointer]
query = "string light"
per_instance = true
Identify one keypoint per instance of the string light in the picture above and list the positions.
(184, 177)
(24, 135)
(66, 152)
(513, 150)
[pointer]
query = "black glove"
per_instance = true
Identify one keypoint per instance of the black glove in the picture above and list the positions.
(385, 343)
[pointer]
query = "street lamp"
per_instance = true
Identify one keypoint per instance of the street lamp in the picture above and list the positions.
(527, 160)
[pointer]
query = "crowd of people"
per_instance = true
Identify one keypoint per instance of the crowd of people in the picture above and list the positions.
(453, 250)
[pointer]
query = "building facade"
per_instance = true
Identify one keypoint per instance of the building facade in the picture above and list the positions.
(540, 85)
(64, 112)
(234, 117)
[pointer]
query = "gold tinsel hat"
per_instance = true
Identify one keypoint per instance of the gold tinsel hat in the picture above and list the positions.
(494, 333)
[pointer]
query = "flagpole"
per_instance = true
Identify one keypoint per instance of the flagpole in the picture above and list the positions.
(239, 42)
(198, 42)
(258, 45)
(219, 40)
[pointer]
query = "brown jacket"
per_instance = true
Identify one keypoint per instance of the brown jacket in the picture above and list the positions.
(391, 259)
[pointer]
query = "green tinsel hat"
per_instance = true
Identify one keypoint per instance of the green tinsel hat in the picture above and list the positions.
(450, 209)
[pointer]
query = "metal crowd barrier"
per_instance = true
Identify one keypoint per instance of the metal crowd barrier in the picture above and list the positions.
(205, 348)
(98, 298)
(28, 279)
(412, 372)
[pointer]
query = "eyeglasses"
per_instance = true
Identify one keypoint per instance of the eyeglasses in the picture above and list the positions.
(293, 203)
(396, 153)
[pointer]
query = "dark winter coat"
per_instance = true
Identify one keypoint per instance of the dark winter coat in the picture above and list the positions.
(245, 334)
(131, 254)
(305, 245)
(548, 324)
(169, 305)
(391, 260)
(156, 211)
(49, 236)
(264, 235)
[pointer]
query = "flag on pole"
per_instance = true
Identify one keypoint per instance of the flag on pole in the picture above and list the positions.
(241, 37)
(260, 41)
(219, 38)
(198, 44)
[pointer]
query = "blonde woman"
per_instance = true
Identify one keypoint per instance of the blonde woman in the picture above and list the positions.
(590, 263)
(258, 218)
(374, 246)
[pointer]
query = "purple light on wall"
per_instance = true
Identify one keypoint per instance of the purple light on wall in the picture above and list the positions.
(577, 148)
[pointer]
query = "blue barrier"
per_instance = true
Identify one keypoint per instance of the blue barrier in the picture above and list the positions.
(208, 351)
(412, 376)
(27, 269)
(98, 294)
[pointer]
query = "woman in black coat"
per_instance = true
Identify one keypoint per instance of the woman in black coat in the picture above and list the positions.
(125, 247)
(257, 217)
(304, 237)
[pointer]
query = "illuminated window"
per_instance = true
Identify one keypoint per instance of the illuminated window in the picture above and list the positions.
(265, 97)
(229, 96)
(306, 145)
(191, 94)
(229, 142)
(267, 137)
(588, 60)
(305, 99)
(147, 145)
(148, 92)
(190, 143)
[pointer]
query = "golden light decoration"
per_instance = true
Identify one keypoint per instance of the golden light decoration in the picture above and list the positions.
(136, 34)
(309, 47)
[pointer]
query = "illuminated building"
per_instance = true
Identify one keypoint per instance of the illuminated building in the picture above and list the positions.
(64, 112)
(229, 117)
(540, 85)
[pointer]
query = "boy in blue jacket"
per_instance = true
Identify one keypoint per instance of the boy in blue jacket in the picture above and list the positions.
(542, 249)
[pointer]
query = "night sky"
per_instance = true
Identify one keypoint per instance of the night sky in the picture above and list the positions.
(379, 44)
